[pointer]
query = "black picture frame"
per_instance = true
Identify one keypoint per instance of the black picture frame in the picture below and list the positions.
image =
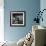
(17, 18)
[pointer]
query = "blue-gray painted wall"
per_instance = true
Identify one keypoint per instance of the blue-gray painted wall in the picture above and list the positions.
(43, 6)
(30, 6)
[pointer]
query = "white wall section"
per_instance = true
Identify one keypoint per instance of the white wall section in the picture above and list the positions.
(1, 20)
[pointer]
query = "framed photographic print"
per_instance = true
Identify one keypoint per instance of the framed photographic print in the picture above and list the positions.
(17, 18)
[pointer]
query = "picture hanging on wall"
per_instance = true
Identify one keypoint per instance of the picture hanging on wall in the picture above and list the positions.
(17, 18)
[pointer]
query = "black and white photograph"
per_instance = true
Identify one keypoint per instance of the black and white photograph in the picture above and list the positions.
(17, 18)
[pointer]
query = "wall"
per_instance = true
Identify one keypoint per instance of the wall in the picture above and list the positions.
(43, 6)
(1, 21)
(30, 6)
